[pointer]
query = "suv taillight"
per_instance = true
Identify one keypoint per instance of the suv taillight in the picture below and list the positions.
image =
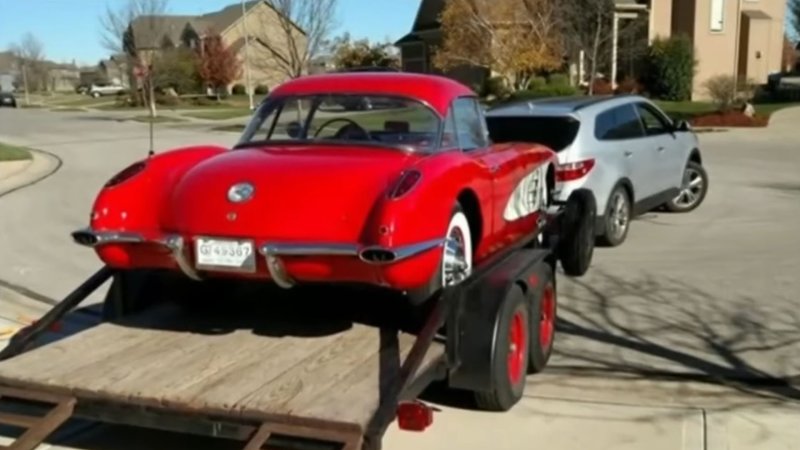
(574, 170)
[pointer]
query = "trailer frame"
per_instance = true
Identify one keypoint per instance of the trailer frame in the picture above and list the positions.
(462, 310)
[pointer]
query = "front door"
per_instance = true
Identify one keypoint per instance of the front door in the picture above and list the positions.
(663, 144)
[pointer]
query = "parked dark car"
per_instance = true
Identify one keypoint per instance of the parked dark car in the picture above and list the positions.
(8, 99)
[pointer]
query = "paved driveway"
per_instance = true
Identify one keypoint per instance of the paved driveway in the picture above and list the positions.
(709, 294)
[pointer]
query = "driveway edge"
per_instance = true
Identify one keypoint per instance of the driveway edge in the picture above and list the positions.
(43, 165)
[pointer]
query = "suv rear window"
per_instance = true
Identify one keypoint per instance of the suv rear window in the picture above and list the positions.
(554, 132)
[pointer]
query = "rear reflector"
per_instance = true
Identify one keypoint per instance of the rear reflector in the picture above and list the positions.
(414, 416)
(574, 171)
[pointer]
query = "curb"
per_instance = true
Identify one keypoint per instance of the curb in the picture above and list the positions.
(43, 165)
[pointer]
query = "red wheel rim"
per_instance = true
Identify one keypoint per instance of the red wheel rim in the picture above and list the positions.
(547, 318)
(518, 340)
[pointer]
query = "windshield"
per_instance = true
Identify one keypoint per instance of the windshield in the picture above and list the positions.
(341, 118)
(554, 132)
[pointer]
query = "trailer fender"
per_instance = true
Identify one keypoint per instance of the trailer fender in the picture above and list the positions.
(474, 323)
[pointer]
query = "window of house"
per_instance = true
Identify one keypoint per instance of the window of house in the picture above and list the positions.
(717, 15)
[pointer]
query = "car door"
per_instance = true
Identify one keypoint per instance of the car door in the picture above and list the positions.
(661, 140)
(472, 137)
(623, 152)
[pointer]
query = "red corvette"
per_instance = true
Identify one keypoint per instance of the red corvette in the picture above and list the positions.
(405, 191)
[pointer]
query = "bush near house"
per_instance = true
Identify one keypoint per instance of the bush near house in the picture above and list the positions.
(261, 89)
(238, 89)
(670, 67)
(629, 85)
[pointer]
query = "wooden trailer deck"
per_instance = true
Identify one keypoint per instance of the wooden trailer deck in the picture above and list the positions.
(327, 372)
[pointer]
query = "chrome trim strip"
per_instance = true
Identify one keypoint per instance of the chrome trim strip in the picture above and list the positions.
(176, 244)
(275, 266)
(408, 251)
(309, 249)
(401, 253)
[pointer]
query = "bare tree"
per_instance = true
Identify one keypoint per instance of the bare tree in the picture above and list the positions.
(304, 28)
(588, 26)
(118, 37)
(29, 55)
(517, 38)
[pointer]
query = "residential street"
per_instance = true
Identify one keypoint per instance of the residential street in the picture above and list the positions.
(710, 296)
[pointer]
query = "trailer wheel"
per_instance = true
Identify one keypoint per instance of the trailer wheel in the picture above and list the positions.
(577, 236)
(544, 311)
(510, 354)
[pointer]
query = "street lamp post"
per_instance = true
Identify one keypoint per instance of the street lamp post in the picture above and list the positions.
(247, 57)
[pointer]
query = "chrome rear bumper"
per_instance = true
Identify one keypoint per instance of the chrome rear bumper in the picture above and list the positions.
(271, 251)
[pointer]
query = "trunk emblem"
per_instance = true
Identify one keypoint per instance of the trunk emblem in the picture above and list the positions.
(241, 192)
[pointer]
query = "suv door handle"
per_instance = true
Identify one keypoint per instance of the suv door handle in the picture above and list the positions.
(660, 149)
(628, 154)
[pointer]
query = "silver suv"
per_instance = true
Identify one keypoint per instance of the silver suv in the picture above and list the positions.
(624, 149)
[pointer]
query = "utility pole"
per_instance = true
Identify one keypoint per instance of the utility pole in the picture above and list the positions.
(247, 57)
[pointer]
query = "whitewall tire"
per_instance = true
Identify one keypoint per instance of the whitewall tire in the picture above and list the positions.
(456, 251)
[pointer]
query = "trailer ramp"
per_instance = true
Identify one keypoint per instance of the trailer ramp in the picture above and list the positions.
(250, 378)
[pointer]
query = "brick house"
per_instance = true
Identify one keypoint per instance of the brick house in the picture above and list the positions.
(258, 22)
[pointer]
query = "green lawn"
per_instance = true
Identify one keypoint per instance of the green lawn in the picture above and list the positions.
(157, 119)
(13, 153)
(237, 128)
(221, 114)
(68, 109)
(689, 110)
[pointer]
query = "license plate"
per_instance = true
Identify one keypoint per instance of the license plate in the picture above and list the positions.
(225, 254)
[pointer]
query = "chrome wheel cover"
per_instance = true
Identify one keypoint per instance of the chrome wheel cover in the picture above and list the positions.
(618, 215)
(455, 266)
(691, 190)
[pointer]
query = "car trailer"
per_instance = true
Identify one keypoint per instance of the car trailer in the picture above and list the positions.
(167, 368)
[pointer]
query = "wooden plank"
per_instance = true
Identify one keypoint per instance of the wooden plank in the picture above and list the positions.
(359, 394)
(76, 352)
(316, 375)
(164, 359)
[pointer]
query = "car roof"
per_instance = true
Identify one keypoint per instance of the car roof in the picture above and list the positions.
(437, 91)
(563, 106)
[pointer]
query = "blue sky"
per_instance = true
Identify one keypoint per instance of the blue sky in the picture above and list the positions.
(69, 29)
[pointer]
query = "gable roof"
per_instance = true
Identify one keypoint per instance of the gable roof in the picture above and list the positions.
(173, 26)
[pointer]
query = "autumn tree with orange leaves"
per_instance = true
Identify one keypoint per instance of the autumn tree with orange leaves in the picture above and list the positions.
(515, 38)
(217, 64)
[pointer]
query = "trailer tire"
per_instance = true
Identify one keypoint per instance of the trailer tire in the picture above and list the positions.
(576, 239)
(510, 354)
(544, 312)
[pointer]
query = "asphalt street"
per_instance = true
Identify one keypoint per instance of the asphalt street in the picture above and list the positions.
(708, 296)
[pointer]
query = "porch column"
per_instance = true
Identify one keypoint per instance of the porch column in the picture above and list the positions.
(614, 50)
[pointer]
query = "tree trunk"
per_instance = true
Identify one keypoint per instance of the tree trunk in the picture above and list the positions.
(595, 51)
(152, 98)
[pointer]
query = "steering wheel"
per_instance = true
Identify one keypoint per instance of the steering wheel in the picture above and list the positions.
(350, 123)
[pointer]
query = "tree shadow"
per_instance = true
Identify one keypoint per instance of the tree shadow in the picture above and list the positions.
(661, 328)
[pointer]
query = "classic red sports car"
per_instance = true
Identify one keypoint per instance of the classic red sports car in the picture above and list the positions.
(407, 192)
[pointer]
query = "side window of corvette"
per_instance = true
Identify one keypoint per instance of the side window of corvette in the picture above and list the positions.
(469, 125)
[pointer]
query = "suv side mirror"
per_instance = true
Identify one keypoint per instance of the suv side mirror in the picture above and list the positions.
(682, 125)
